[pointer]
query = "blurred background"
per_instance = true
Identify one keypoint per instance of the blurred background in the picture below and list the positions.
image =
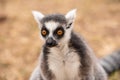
(98, 21)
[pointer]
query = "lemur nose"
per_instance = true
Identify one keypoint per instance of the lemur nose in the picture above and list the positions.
(51, 42)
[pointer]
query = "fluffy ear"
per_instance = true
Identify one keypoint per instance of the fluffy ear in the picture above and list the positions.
(70, 16)
(37, 16)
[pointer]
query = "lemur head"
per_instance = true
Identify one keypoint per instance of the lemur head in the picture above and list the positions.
(55, 29)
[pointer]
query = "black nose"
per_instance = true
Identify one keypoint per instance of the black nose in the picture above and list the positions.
(51, 42)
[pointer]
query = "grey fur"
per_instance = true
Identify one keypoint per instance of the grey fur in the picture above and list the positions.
(111, 63)
(89, 68)
(54, 17)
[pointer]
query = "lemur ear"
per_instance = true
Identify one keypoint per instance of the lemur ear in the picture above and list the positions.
(70, 16)
(37, 16)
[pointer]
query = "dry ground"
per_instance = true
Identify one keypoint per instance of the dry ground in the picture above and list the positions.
(98, 21)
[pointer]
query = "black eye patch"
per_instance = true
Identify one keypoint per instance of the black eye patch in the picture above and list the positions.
(59, 32)
(44, 32)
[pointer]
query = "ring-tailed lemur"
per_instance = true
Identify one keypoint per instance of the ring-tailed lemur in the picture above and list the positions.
(64, 55)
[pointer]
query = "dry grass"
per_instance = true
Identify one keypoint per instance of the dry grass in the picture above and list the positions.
(98, 21)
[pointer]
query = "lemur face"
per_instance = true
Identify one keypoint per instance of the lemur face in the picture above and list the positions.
(55, 29)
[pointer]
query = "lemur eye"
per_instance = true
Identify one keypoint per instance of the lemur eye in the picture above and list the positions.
(59, 32)
(44, 32)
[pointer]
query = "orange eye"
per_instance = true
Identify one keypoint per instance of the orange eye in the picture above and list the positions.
(44, 32)
(59, 32)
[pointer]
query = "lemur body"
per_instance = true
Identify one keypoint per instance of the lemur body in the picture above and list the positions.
(65, 55)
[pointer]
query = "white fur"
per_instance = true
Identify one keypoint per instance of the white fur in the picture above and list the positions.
(35, 74)
(70, 16)
(51, 26)
(64, 63)
(37, 16)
